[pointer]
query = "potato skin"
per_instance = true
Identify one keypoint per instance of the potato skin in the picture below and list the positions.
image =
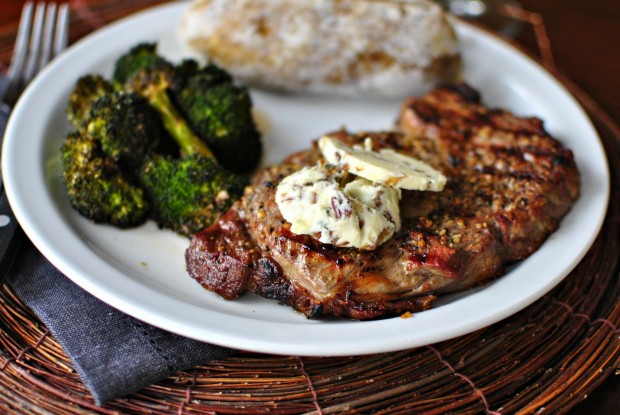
(386, 48)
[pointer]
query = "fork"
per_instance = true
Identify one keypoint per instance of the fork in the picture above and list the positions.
(39, 40)
(42, 34)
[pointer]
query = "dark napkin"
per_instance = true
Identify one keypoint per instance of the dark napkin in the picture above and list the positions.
(114, 354)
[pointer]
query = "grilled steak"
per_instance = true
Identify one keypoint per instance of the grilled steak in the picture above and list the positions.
(509, 184)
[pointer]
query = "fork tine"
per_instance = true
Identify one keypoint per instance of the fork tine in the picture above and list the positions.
(35, 43)
(39, 39)
(48, 37)
(21, 43)
(61, 38)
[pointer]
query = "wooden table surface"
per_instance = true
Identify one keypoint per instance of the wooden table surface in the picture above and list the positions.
(585, 41)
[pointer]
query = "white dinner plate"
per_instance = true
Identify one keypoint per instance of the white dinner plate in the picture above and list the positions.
(142, 271)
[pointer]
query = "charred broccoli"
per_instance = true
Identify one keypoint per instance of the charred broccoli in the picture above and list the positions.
(221, 114)
(153, 84)
(189, 193)
(103, 153)
(217, 111)
(141, 56)
(97, 187)
(135, 153)
(127, 127)
(186, 193)
(87, 90)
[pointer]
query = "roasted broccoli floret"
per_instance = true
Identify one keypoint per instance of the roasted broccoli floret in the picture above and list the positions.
(210, 74)
(190, 193)
(221, 114)
(153, 84)
(141, 56)
(97, 187)
(87, 90)
(127, 127)
(212, 107)
(102, 157)
(134, 154)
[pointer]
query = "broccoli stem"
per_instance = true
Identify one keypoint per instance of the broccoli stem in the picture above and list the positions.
(187, 140)
(153, 85)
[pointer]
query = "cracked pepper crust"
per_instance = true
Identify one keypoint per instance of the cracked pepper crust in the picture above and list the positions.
(509, 185)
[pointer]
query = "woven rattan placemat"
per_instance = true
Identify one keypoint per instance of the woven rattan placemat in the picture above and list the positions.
(548, 357)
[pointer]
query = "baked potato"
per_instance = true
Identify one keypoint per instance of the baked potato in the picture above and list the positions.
(386, 48)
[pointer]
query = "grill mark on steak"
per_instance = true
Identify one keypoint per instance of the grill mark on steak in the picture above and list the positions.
(509, 184)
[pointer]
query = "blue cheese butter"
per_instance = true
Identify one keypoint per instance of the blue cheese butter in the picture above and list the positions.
(364, 212)
(361, 214)
(385, 166)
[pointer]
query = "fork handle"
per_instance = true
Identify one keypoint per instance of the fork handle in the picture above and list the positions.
(11, 237)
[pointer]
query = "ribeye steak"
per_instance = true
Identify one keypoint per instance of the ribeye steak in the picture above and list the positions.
(509, 185)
